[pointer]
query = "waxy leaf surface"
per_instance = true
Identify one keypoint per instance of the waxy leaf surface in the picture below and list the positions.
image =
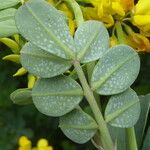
(78, 126)
(123, 110)
(116, 70)
(45, 27)
(22, 96)
(56, 96)
(92, 40)
(7, 22)
(42, 63)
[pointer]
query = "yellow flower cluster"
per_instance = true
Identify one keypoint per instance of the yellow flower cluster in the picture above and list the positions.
(110, 12)
(141, 17)
(25, 144)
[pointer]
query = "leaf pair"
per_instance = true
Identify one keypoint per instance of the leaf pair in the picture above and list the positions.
(60, 97)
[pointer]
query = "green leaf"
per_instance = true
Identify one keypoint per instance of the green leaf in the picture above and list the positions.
(92, 40)
(119, 137)
(123, 110)
(78, 126)
(140, 126)
(7, 22)
(22, 96)
(45, 27)
(146, 145)
(8, 3)
(115, 71)
(56, 96)
(42, 63)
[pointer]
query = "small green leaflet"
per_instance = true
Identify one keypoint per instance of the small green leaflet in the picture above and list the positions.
(123, 110)
(45, 27)
(42, 63)
(116, 70)
(92, 40)
(78, 126)
(56, 96)
(22, 96)
(7, 22)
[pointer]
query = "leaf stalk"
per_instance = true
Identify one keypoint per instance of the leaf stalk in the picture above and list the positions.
(102, 126)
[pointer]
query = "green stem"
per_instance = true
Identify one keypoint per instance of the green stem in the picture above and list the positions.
(120, 33)
(77, 11)
(131, 138)
(102, 126)
(90, 66)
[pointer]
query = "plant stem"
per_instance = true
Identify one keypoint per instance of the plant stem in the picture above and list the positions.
(102, 126)
(90, 66)
(120, 33)
(77, 11)
(131, 138)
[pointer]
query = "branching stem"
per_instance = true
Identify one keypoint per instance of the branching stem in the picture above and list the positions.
(102, 126)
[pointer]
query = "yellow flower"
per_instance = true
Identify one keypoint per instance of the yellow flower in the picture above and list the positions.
(117, 8)
(90, 13)
(141, 16)
(137, 40)
(43, 145)
(142, 7)
(104, 10)
(24, 143)
(127, 4)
